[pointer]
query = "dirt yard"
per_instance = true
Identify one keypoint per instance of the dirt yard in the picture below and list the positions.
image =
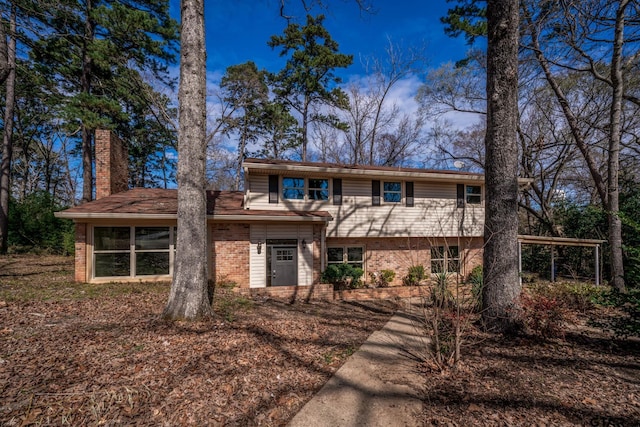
(97, 354)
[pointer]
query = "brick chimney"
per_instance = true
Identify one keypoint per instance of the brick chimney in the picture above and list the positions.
(112, 170)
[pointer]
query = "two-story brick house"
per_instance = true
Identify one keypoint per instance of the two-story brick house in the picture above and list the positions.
(292, 220)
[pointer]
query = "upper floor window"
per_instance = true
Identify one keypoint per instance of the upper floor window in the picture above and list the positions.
(474, 194)
(293, 188)
(318, 189)
(392, 192)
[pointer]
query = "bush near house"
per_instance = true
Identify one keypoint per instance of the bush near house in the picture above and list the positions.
(343, 276)
(415, 275)
(382, 279)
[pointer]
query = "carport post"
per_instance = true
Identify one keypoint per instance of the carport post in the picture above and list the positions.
(520, 262)
(597, 251)
(553, 266)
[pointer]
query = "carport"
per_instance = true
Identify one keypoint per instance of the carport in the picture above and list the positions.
(561, 241)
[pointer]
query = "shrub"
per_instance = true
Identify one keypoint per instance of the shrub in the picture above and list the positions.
(628, 324)
(440, 293)
(542, 315)
(343, 276)
(33, 226)
(415, 275)
(574, 296)
(382, 279)
(476, 279)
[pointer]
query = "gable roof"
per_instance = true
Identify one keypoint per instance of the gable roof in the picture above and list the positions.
(158, 203)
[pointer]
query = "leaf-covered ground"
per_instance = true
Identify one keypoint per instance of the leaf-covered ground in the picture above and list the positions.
(97, 354)
(588, 378)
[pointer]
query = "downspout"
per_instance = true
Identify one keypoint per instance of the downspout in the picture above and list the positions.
(323, 244)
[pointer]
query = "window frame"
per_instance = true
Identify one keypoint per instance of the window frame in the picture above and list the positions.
(468, 194)
(306, 189)
(390, 192)
(317, 189)
(345, 255)
(300, 190)
(446, 258)
(133, 251)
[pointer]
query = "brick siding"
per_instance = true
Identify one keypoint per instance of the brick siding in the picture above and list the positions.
(291, 293)
(398, 254)
(81, 253)
(230, 253)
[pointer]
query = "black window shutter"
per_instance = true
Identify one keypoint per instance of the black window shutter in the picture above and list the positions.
(273, 188)
(408, 188)
(460, 191)
(337, 191)
(375, 193)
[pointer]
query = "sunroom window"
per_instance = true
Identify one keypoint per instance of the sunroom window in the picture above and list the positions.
(133, 251)
(152, 251)
(112, 251)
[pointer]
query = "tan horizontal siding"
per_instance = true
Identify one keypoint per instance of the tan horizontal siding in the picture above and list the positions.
(434, 214)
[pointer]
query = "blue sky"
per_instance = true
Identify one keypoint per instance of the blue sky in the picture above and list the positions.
(237, 31)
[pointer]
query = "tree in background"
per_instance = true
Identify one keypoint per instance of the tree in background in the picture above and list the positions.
(308, 79)
(245, 89)
(501, 291)
(7, 131)
(90, 48)
(582, 54)
(379, 133)
(189, 296)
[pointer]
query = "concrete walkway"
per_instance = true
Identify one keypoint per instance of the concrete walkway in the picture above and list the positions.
(377, 386)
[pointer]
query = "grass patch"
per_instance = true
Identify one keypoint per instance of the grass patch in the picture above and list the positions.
(59, 291)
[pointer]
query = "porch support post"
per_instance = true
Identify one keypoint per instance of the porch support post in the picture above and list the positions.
(597, 254)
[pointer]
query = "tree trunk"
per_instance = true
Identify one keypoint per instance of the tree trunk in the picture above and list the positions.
(189, 294)
(85, 81)
(5, 68)
(7, 137)
(501, 291)
(613, 190)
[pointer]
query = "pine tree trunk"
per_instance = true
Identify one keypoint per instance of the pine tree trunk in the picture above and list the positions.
(189, 295)
(501, 291)
(613, 190)
(85, 82)
(7, 136)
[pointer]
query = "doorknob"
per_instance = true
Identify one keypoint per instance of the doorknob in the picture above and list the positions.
(273, 274)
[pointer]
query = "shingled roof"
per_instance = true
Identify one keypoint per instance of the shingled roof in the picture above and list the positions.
(163, 204)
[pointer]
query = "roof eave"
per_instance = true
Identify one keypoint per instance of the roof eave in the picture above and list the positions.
(219, 217)
(338, 171)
